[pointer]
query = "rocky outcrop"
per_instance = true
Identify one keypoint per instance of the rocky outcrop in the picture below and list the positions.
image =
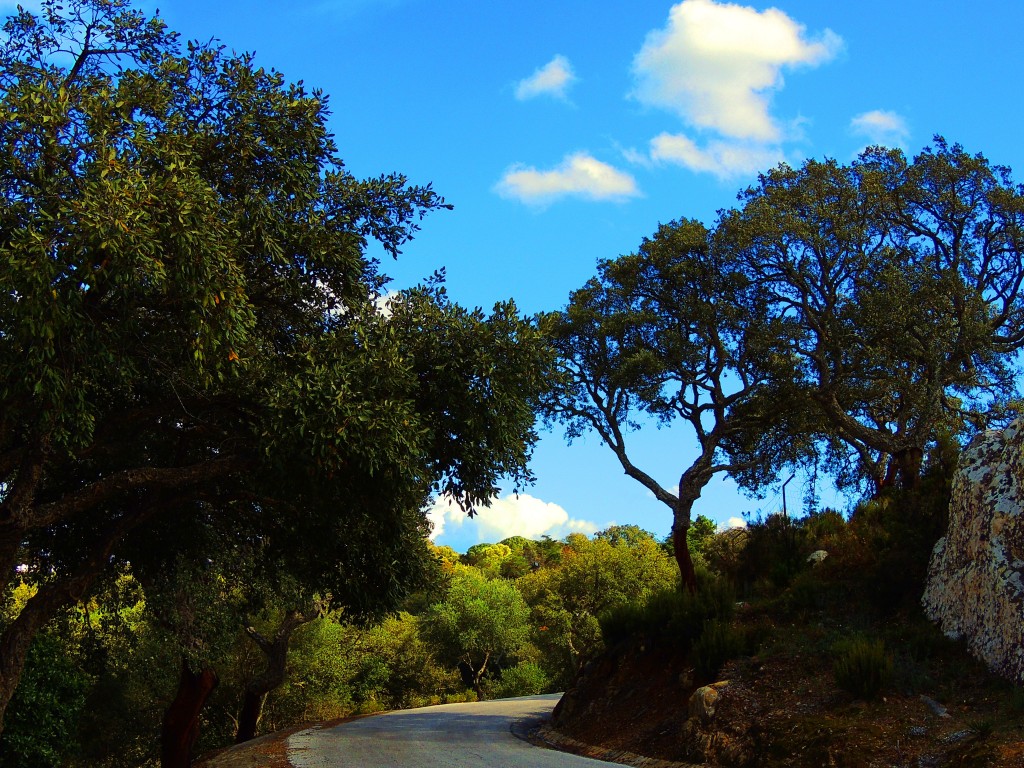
(708, 741)
(975, 587)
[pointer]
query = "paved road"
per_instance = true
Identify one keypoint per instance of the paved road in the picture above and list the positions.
(473, 735)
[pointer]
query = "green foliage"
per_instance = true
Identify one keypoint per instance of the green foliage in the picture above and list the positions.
(776, 550)
(524, 679)
(488, 558)
(194, 373)
(630, 535)
(899, 531)
(910, 308)
(699, 536)
(593, 576)
(41, 726)
(862, 666)
(719, 641)
(1017, 700)
(479, 622)
(673, 616)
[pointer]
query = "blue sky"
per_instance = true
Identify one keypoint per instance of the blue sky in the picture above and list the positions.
(563, 132)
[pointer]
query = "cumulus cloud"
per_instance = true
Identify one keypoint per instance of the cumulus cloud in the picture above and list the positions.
(881, 127)
(553, 79)
(732, 522)
(724, 159)
(522, 515)
(717, 64)
(384, 302)
(579, 175)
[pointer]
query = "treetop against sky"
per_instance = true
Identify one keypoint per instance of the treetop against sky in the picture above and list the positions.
(564, 133)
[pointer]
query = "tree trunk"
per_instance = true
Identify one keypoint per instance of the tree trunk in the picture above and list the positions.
(908, 464)
(181, 720)
(478, 677)
(687, 575)
(276, 651)
(249, 717)
(904, 470)
(690, 486)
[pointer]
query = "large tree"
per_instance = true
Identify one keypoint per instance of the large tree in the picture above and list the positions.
(897, 285)
(192, 359)
(672, 333)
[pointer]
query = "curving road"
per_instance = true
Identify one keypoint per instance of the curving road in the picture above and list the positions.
(476, 735)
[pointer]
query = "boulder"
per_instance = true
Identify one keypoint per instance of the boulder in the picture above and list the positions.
(710, 742)
(702, 703)
(817, 557)
(975, 586)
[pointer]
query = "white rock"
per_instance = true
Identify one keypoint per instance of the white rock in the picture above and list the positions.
(975, 587)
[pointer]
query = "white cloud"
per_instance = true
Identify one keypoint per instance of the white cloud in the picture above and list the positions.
(732, 522)
(550, 80)
(579, 175)
(717, 64)
(724, 159)
(510, 515)
(881, 127)
(385, 302)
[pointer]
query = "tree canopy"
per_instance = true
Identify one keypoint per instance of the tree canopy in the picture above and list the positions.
(192, 356)
(896, 286)
(845, 316)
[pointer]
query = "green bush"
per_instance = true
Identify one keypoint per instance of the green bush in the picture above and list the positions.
(524, 679)
(672, 615)
(862, 666)
(776, 550)
(40, 723)
(718, 642)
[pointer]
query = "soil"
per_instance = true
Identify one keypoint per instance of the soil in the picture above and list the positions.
(782, 707)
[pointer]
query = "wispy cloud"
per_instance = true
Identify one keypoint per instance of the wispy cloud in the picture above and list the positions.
(578, 175)
(553, 79)
(522, 515)
(724, 159)
(717, 64)
(881, 127)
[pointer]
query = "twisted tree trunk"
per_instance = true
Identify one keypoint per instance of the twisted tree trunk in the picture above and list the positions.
(276, 651)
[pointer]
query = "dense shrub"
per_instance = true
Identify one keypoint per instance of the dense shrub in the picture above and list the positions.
(862, 666)
(524, 679)
(43, 715)
(719, 641)
(674, 616)
(776, 550)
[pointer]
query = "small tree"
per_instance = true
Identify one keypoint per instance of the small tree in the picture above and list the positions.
(479, 625)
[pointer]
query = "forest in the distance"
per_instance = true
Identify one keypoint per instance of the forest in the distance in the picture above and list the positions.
(506, 619)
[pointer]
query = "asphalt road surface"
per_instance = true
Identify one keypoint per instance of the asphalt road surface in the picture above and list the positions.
(476, 735)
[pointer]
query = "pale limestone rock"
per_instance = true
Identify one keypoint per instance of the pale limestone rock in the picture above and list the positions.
(975, 587)
(817, 557)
